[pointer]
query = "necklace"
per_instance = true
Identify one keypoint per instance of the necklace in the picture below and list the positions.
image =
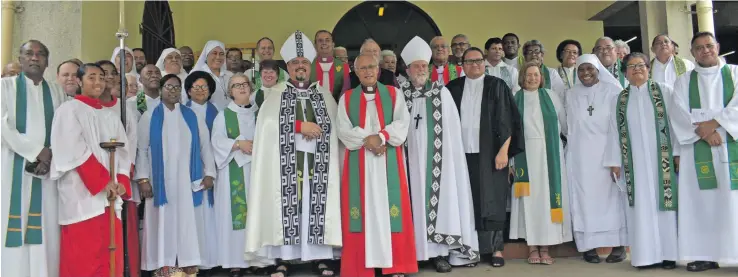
(591, 103)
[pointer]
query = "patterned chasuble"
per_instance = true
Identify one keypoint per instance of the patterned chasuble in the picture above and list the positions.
(433, 168)
(667, 175)
(14, 235)
(289, 112)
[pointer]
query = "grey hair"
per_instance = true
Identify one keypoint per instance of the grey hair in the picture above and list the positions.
(461, 36)
(598, 42)
(620, 43)
(339, 48)
(356, 60)
(240, 74)
(388, 53)
(361, 50)
(434, 39)
(532, 43)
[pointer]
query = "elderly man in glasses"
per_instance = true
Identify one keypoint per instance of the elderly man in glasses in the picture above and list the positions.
(606, 51)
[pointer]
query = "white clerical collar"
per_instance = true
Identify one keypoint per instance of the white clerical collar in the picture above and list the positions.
(499, 64)
(327, 60)
(641, 87)
(531, 91)
(152, 98)
(709, 70)
(242, 110)
(29, 81)
(195, 104)
(478, 79)
(671, 58)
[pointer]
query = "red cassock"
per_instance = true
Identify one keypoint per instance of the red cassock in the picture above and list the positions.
(353, 256)
(84, 245)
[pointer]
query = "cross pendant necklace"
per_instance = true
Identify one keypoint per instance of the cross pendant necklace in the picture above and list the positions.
(417, 120)
(590, 109)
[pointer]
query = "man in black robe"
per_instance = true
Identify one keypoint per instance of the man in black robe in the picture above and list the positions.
(492, 133)
(386, 77)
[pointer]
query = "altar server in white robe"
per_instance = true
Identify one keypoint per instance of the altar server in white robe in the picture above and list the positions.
(297, 201)
(667, 67)
(597, 204)
(534, 52)
(28, 104)
(233, 139)
(641, 142)
(170, 62)
(706, 123)
(442, 203)
(540, 204)
(212, 60)
(174, 165)
(495, 66)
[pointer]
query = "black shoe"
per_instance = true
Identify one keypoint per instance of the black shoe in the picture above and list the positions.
(617, 255)
(204, 272)
(441, 265)
(497, 261)
(668, 265)
(592, 257)
(698, 266)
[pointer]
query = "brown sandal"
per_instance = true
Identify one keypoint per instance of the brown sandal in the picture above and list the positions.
(532, 259)
(546, 261)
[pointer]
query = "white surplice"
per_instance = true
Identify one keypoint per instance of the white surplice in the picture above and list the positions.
(455, 209)
(512, 62)
(707, 218)
(264, 229)
(503, 71)
(666, 73)
(557, 84)
(170, 235)
(28, 260)
(132, 134)
(378, 240)
(597, 204)
(652, 233)
(531, 215)
(231, 243)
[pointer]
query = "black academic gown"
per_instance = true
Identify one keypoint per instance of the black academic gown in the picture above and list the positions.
(500, 120)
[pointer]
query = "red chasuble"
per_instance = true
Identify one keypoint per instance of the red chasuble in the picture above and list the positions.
(353, 256)
(449, 73)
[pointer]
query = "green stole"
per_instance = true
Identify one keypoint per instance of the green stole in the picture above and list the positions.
(702, 151)
(619, 75)
(551, 128)
(14, 235)
(141, 102)
(280, 78)
(355, 159)
(546, 76)
(679, 66)
(235, 176)
(336, 74)
(667, 175)
(564, 75)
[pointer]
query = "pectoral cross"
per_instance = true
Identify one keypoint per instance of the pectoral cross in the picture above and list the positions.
(590, 109)
(417, 120)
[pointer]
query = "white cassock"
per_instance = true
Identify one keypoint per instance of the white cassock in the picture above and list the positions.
(231, 243)
(530, 215)
(505, 72)
(652, 233)
(151, 103)
(455, 210)
(205, 213)
(512, 62)
(377, 231)
(28, 260)
(666, 73)
(707, 218)
(170, 231)
(597, 204)
(264, 230)
(132, 135)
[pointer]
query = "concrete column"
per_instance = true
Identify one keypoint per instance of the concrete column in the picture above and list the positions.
(704, 16)
(666, 17)
(8, 14)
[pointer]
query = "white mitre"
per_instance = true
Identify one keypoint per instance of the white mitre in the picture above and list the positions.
(298, 45)
(416, 50)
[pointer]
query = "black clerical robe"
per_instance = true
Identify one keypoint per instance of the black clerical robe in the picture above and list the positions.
(500, 120)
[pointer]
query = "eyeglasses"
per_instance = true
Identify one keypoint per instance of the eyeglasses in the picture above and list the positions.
(200, 88)
(367, 68)
(298, 62)
(475, 61)
(459, 44)
(439, 46)
(637, 66)
(172, 87)
(604, 49)
(240, 85)
(533, 52)
(571, 52)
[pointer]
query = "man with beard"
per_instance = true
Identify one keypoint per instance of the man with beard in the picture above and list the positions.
(494, 66)
(511, 43)
(66, 77)
(667, 67)
(439, 180)
(139, 57)
(605, 51)
(188, 58)
(459, 44)
(533, 51)
(234, 58)
(331, 74)
(386, 77)
(441, 69)
(149, 97)
(295, 159)
(30, 240)
(265, 51)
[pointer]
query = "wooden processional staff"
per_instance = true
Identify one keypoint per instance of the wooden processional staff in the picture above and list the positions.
(111, 147)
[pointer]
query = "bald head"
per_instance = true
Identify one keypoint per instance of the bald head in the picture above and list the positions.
(11, 69)
(150, 77)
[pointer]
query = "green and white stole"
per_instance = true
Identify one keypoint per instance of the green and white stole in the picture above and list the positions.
(551, 128)
(14, 235)
(679, 66)
(141, 102)
(565, 75)
(504, 74)
(546, 76)
(667, 175)
(235, 175)
(354, 162)
(282, 77)
(702, 151)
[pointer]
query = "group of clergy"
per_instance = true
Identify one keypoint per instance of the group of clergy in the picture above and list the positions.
(317, 161)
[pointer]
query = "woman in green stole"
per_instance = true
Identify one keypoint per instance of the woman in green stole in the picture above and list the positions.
(540, 210)
(232, 138)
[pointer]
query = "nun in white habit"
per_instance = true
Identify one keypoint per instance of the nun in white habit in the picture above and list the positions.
(130, 68)
(170, 62)
(212, 60)
(597, 203)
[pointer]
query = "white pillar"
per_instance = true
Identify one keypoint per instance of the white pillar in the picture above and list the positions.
(666, 17)
(705, 16)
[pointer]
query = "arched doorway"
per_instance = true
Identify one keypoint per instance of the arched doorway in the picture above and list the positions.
(157, 29)
(400, 22)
